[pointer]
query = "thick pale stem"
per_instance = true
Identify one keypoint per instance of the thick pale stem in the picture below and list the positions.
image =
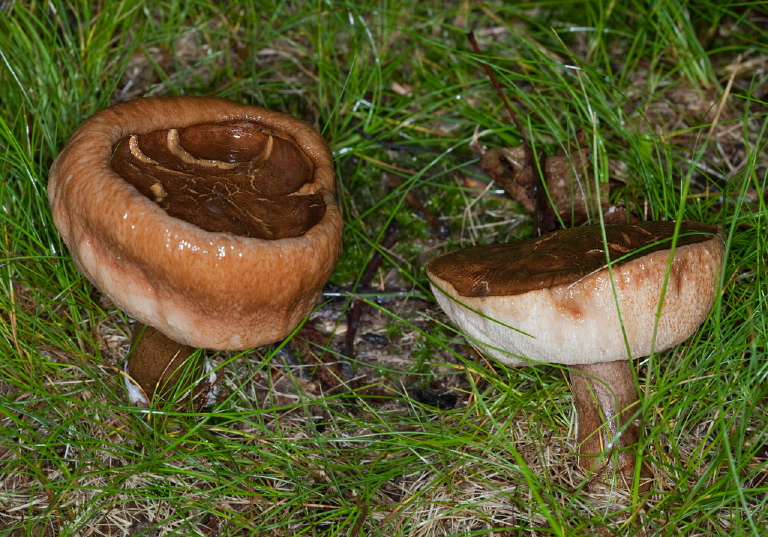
(155, 362)
(606, 398)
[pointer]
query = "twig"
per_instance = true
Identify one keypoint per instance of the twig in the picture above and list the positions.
(356, 310)
(515, 120)
(544, 218)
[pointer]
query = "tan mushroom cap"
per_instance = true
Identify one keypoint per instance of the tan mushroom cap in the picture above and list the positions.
(550, 299)
(206, 289)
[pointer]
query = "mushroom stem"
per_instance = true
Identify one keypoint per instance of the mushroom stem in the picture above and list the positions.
(155, 361)
(606, 398)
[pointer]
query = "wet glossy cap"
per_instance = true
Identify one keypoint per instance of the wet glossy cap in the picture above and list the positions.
(213, 221)
(550, 299)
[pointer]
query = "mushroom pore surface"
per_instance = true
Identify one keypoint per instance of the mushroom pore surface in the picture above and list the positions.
(551, 299)
(213, 221)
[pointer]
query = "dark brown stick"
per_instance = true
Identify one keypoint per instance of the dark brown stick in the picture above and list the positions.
(356, 310)
(515, 120)
(544, 216)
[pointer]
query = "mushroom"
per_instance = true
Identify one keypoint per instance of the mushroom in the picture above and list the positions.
(556, 299)
(211, 222)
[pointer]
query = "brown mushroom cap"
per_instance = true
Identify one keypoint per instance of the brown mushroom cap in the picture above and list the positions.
(550, 299)
(246, 279)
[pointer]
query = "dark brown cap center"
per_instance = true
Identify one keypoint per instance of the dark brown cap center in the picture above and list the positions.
(559, 258)
(235, 177)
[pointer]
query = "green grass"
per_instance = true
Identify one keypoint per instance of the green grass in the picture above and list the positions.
(398, 93)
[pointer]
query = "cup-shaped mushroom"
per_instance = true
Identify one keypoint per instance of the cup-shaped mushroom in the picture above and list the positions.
(591, 302)
(212, 221)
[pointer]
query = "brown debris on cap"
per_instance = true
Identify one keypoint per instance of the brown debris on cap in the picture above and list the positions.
(237, 267)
